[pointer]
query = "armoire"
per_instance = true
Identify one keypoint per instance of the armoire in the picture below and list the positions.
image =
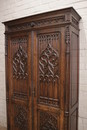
(42, 71)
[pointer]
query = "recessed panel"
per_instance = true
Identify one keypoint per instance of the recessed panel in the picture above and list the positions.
(48, 68)
(48, 120)
(20, 117)
(74, 69)
(19, 59)
(73, 120)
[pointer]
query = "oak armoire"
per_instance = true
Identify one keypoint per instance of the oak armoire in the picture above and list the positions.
(42, 71)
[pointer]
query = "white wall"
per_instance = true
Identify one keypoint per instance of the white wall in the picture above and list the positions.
(12, 9)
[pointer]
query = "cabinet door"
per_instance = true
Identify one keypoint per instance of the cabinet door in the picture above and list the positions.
(48, 69)
(19, 75)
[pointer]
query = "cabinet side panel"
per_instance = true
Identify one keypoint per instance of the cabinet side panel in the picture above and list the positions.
(74, 69)
(74, 74)
(73, 120)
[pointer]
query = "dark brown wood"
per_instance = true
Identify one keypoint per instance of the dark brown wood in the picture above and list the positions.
(42, 71)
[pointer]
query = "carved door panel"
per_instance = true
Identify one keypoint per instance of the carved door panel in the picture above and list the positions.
(19, 81)
(48, 79)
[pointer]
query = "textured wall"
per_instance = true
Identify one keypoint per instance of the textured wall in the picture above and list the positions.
(12, 9)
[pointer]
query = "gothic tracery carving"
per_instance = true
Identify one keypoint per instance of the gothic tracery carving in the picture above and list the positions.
(49, 62)
(21, 118)
(48, 121)
(20, 64)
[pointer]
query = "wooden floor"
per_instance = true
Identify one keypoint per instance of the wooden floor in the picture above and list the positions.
(3, 128)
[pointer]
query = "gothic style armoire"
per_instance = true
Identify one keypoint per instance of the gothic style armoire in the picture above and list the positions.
(42, 71)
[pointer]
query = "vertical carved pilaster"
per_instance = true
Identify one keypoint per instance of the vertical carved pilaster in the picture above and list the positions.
(7, 84)
(6, 66)
(67, 39)
(6, 45)
(67, 80)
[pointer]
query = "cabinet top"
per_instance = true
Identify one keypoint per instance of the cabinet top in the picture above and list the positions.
(57, 17)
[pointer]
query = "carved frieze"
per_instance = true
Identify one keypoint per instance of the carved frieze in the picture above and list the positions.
(38, 23)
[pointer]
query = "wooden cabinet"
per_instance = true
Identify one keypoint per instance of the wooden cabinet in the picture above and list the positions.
(42, 71)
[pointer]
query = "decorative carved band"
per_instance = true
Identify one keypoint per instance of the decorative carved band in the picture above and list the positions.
(50, 101)
(19, 96)
(19, 40)
(38, 23)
